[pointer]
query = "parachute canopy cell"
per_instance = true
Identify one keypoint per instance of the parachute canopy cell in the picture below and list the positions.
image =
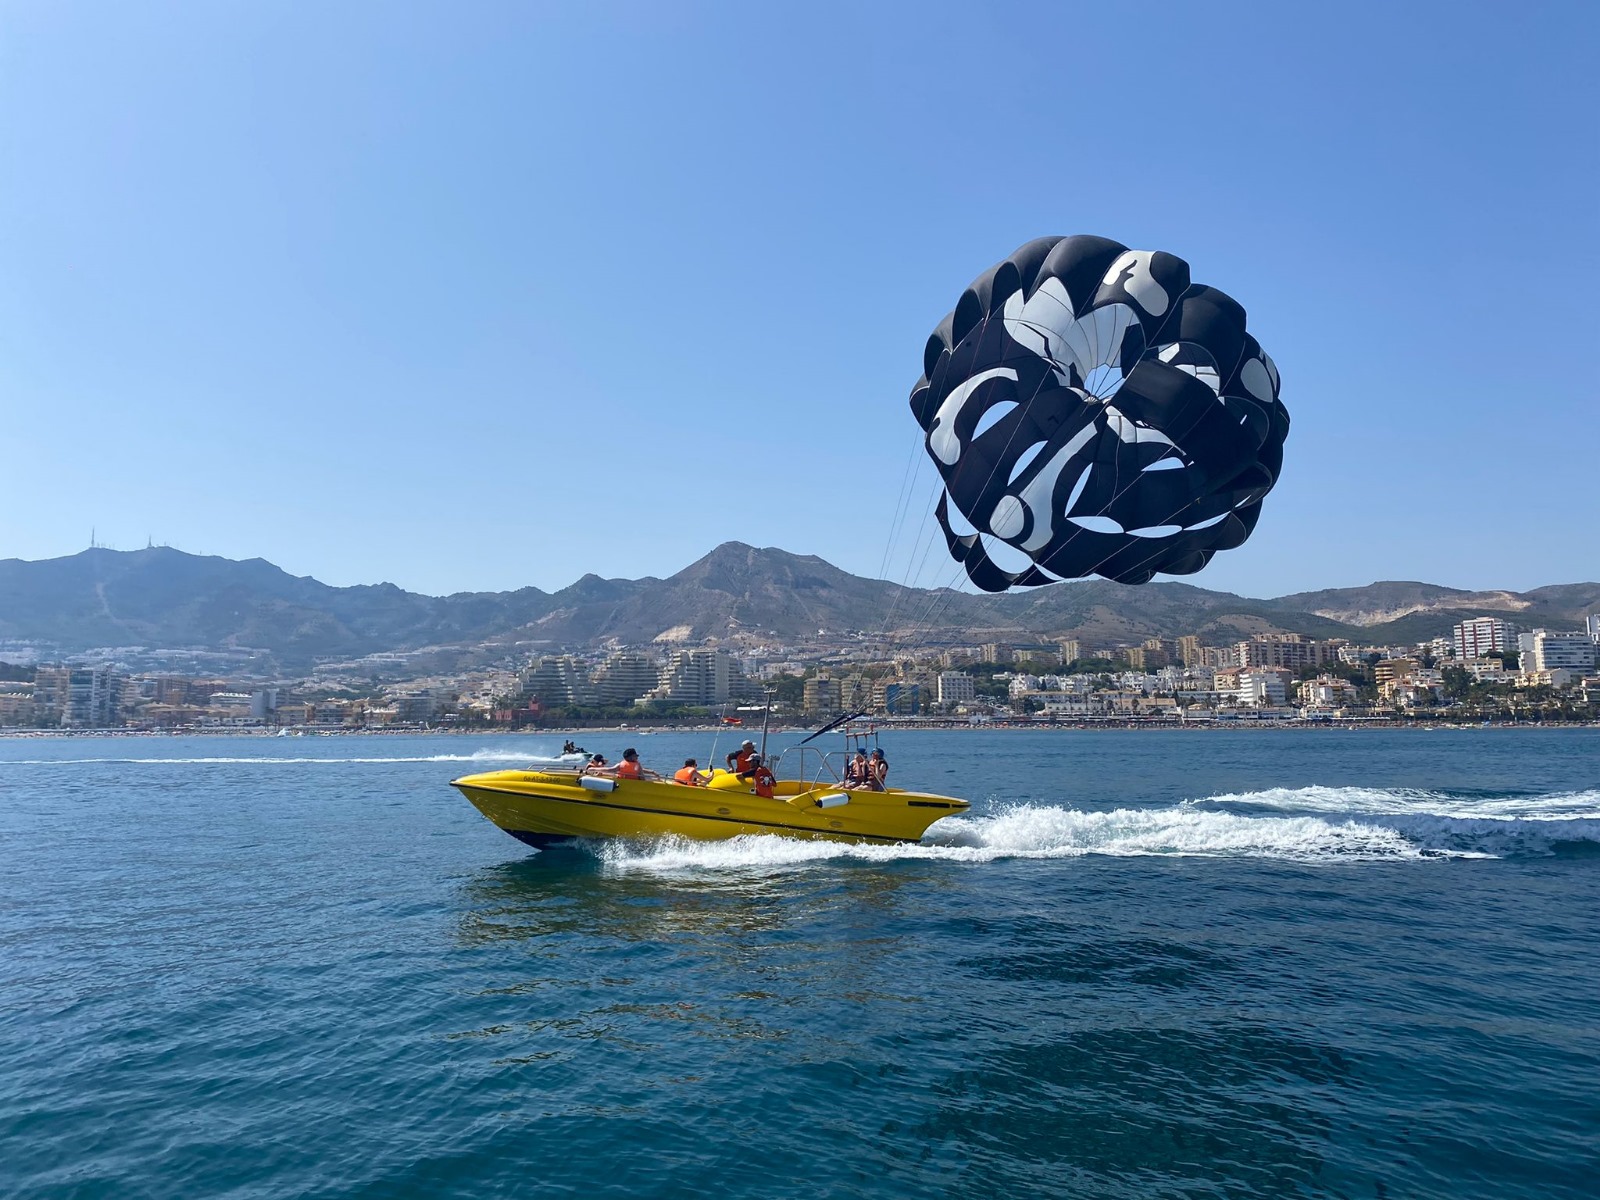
(1093, 409)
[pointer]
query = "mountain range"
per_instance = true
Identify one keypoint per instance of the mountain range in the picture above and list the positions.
(165, 599)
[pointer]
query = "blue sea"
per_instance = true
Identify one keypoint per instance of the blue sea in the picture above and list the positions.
(1224, 964)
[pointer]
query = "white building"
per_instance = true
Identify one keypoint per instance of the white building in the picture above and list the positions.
(1326, 692)
(956, 687)
(1477, 637)
(557, 680)
(1259, 686)
(1552, 651)
(696, 677)
(624, 678)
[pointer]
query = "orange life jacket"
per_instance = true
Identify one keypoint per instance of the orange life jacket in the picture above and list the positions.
(763, 781)
(688, 775)
(628, 770)
(741, 763)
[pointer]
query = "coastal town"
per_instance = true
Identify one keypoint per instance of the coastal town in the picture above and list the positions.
(1488, 669)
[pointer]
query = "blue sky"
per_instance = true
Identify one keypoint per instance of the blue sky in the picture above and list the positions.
(482, 295)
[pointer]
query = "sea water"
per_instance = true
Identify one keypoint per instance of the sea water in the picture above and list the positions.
(1252, 963)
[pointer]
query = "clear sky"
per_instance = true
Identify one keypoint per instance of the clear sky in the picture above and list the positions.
(474, 296)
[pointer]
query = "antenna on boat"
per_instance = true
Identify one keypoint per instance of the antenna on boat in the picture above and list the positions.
(766, 720)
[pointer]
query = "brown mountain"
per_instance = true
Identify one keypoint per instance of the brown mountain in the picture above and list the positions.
(166, 599)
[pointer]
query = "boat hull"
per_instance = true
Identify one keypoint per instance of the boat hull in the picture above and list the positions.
(544, 807)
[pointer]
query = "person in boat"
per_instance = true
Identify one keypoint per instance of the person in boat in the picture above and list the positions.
(762, 781)
(596, 765)
(631, 768)
(858, 772)
(691, 775)
(739, 760)
(878, 771)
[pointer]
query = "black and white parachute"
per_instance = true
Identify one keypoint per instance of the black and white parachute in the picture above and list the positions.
(1090, 407)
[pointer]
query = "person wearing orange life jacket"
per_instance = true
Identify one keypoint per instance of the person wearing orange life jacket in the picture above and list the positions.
(631, 768)
(690, 774)
(739, 760)
(762, 781)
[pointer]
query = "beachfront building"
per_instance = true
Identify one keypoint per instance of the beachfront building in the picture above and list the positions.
(624, 677)
(1394, 670)
(1547, 650)
(956, 687)
(1326, 693)
(1290, 651)
(1260, 686)
(897, 697)
(75, 697)
(696, 677)
(16, 703)
(558, 680)
(820, 694)
(1189, 650)
(1481, 635)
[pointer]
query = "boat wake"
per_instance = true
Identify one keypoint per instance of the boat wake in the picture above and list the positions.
(1304, 825)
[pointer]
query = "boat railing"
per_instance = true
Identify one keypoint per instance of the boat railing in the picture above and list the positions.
(812, 765)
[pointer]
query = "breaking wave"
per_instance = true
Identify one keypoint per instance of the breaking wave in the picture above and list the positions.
(1304, 825)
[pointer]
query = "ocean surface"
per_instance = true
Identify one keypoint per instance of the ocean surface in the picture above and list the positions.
(1223, 964)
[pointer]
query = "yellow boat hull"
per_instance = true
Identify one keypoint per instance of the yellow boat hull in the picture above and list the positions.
(543, 807)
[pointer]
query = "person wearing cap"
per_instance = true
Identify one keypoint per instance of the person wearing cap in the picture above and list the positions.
(739, 760)
(690, 774)
(596, 765)
(762, 780)
(631, 768)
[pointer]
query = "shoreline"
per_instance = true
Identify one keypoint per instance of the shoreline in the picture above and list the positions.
(909, 727)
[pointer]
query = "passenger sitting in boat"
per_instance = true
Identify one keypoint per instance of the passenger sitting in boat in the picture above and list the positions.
(878, 768)
(857, 772)
(739, 760)
(631, 768)
(596, 765)
(762, 781)
(690, 774)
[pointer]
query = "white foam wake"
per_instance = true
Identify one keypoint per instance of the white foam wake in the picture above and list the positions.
(1558, 806)
(1043, 832)
(1186, 830)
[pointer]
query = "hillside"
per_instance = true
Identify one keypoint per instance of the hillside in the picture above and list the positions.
(161, 598)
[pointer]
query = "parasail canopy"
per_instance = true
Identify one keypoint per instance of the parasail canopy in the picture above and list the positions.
(1090, 407)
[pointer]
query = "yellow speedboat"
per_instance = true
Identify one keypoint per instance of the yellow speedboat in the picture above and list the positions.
(542, 807)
